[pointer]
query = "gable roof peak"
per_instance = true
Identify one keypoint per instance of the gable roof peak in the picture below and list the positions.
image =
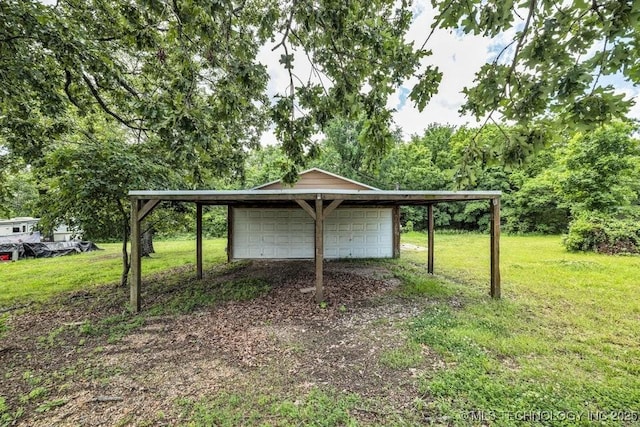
(337, 181)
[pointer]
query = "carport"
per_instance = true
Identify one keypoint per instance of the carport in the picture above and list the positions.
(318, 204)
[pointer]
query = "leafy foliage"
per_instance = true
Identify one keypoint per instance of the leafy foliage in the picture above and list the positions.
(605, 233)
(555, 59)
(21, 194)
(538, 206)
(187, 74)
(84, 183)
(602, 171)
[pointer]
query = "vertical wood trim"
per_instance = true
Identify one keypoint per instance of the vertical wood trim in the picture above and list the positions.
(319, 247)
(136, 266)
(199, 240)
(395, 219)
(430, 239)
(494, 209)
(229, 233)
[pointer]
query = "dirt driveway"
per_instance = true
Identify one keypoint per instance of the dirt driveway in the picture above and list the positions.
(82, 360)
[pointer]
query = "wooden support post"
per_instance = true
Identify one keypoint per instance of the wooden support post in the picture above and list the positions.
(494, 208)
(146, 208)
(430, 245)
(395, 225)
(199, 241)
(319, 244)
(229, 233)
(136, 265)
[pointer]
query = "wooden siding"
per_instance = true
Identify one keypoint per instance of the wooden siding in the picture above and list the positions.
(317, 180)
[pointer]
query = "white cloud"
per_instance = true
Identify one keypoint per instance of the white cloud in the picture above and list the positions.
(458, 57)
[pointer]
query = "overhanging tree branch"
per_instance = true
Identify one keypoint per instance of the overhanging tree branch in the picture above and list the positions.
(67, 84)
(105, 107)
(523, 35)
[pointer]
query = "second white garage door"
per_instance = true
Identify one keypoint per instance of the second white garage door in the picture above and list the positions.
(289, 233)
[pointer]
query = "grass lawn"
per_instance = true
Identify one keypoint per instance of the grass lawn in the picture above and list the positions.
(39, 279)
(562, 346)
(565, 338)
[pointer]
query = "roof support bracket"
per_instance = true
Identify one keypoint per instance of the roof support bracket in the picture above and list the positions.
(147, 208)
(334, 204)
(308, 209)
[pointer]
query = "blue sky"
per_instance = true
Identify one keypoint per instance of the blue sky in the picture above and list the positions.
(459, 57)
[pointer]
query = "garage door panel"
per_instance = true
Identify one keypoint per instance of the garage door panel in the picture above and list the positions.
(361, 233)
(272, 234)
(289, 233)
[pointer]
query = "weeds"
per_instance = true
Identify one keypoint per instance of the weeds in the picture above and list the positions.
(407, 356)
(51, 404)
(318, 408)
(3, 325)
(201, 294)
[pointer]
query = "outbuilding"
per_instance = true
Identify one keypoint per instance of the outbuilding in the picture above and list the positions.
(277, 232)
(323, 216)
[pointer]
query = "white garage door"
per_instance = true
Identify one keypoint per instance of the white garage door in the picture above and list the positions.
(289, 233)
(359, 233)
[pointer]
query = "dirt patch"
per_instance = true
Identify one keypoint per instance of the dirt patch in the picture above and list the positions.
(281, 340)
(412, 247)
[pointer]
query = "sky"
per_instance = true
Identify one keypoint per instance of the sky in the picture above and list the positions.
(458, 56)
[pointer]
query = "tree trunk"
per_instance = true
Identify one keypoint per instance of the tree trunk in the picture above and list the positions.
(126, 265)
(146, 245)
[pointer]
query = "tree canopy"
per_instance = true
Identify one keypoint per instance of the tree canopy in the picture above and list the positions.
(187, 72)
(177, 93)
(556, 60)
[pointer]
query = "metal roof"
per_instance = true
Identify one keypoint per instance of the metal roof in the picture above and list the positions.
(361, 196)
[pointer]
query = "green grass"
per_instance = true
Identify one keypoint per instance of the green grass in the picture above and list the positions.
(39, 279)
(201, 294)
(317, 408)
(562, 343)
(407, 356)
(564, 338)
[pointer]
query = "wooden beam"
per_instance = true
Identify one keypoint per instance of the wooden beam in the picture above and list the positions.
(147, 208)
(319, 246)
(399, 197)
(395, 219)
(494, 208)
(136, 265)
(229, 233)
(327, 211)
(198, 241)
(308, 209)
(430, 245)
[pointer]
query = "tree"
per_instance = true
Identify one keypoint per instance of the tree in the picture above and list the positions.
(187, 71)
(538, 205)
(556, 59)
(602, 169)
(343, 151)
(264, 165)
(84, 183)
(21, 196)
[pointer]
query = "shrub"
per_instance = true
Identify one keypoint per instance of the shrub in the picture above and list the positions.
(537, 207)
(604, 233)
(214, 222)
